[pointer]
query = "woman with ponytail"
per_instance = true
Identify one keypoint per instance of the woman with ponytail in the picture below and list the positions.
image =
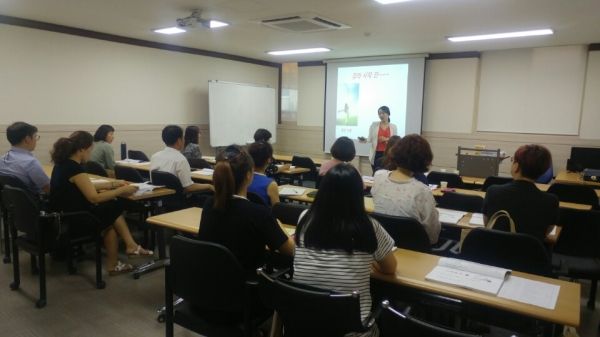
(230, 219)
(72, 190)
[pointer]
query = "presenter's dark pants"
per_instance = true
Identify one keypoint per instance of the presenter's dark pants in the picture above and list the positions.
(374, 166)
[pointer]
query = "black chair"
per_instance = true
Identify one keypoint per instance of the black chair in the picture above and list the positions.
(310, 311)
(400, 323)
(514, 251)
(495, 180)
(217, 298)
(255, 198)
(93, 167)
(128, 174)
(198, 163)
(14, 182)
(577, 252)
(453, 179)
(287, 212)
(579, 194)
(33, 231)
(460, 202)
(407, 232)
(306, 162)
(180, 199)
(137, 155)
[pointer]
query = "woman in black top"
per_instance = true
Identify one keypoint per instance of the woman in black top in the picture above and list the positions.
(231, 220)
(533, 211)
(72, 190)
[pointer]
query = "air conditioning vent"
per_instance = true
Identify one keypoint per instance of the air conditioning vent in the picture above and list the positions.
(303, 23)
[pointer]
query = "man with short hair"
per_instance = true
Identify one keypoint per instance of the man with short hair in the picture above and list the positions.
(19, 162)
(172, 160)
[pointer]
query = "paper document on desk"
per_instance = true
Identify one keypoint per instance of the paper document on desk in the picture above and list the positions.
(145, 188)
(99, 181)
(469, 275)
(209, 159)
(537, 293)
(127, 161)
(205, 172)
(368, 179)
(292, 191)
(476, 219)
(450, 216)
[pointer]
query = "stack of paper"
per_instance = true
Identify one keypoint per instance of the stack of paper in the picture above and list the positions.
(537, 293)
(368, 179)
(469, 275)
(433, 186)
(127, 161)
(449, 216)
(205, 172)
(291, 191)
(144, 188)
(476, 219)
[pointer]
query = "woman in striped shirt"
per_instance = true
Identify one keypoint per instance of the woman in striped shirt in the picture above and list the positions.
(337, 243)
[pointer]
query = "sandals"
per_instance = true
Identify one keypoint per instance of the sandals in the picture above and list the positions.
(121, 268)
(140, 252)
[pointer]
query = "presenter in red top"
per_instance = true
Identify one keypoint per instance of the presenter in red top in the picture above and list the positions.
(379, 134)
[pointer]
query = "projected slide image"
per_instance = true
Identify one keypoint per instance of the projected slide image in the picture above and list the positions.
(362, 90)
(348, 102)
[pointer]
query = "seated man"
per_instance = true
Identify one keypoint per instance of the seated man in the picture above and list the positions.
(172, 160)
(19, 162)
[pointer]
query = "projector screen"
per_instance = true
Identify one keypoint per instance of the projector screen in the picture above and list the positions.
(356, 90)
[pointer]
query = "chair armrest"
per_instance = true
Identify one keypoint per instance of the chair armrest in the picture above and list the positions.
(444, 247)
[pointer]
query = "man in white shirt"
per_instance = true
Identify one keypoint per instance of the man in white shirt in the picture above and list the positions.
(171, 160)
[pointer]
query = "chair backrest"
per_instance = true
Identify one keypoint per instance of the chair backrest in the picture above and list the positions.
(206, 275)
(255, 198)
(128, 174)
(306, 162)
(407, 232)
(175, 201)
(198, 163)
(579, 194)
(453, 179)
(495, 180)
(137, 155)
(23, 209)
(93, 167)
(580, 235)
(287, 212)
(6, 180)
(515, 251)
(303, 308)
(395, 323)
(460, 202)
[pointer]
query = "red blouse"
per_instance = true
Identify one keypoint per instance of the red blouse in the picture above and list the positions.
(382, 133)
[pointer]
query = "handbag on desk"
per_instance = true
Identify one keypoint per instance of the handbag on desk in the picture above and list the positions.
(499, 215)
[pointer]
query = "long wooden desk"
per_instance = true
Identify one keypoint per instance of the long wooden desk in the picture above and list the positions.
(574, 178)
(288, 159)
(156, 193)
(413, 266)
(199, 175)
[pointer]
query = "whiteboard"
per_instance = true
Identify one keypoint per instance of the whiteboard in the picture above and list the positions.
(236, 110)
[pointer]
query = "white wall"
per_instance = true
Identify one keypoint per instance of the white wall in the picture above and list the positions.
(51, 78)
(311, 95)
(590, 119)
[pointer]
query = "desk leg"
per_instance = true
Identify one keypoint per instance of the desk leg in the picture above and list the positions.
(156, 264)
(276, 326)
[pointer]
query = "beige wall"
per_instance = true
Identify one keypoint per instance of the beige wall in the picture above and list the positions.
(57, 79)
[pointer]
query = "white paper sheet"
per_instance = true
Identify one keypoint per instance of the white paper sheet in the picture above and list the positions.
(476, 219)
(292, 191)
(450, 216)
(537, 293)
(205, 172)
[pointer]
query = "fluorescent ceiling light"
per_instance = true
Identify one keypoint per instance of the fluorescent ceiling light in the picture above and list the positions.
(170, 30)
(501, 35)
(298, 51)
(217, 24)
(387, 2)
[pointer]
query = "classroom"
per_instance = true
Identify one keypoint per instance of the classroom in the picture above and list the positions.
(235, 67)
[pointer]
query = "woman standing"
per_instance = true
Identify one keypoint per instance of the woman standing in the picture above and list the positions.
(379, 134)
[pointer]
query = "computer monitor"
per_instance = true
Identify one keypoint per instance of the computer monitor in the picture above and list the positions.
(584, 157)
